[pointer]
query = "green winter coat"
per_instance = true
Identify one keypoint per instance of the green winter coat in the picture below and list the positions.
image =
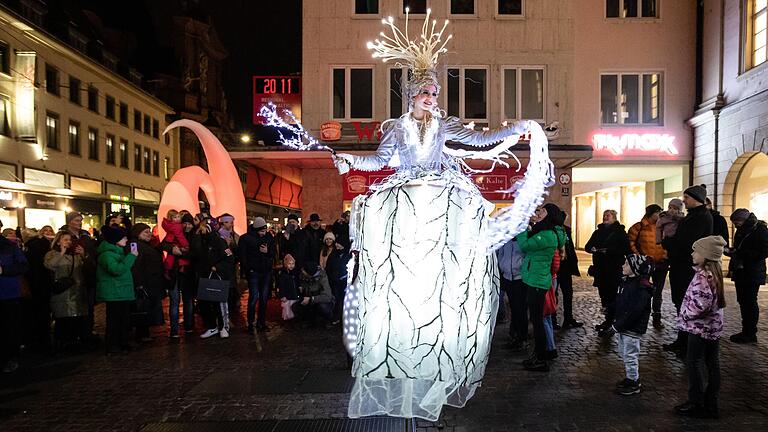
(114, 281)
(539, 251)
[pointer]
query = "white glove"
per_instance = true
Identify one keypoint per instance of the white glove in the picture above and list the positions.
(343, 162)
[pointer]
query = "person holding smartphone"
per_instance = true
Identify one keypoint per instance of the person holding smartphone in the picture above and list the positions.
(115, 286)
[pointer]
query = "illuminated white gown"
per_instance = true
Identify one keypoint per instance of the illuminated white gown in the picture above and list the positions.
(426, 294)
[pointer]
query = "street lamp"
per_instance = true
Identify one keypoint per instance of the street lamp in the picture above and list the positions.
(245, 138)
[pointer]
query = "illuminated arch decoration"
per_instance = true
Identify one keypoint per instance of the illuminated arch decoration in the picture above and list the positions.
(220, 183)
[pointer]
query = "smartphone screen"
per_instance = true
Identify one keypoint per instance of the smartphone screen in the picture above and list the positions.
(134, 247)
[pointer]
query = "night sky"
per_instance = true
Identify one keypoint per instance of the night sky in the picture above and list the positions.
(263, 38)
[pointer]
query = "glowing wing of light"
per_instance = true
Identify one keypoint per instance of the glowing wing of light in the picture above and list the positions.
(528, 193)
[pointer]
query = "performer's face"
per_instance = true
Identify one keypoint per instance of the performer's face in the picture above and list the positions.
(426, 99)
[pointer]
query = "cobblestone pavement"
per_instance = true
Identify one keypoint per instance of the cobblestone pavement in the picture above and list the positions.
(249, 378)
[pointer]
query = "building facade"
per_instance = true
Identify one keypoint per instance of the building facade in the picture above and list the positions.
(611, 80)
(507, 61)
(634, 87)
(731, 121)
(74, 133)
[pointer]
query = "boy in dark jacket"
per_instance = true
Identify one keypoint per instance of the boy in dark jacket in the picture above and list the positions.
(633, 308)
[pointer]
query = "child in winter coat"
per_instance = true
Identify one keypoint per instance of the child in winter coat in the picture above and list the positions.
(174, 236)
(668, 221)
(633, 308)
(288, 287)
(701, 316)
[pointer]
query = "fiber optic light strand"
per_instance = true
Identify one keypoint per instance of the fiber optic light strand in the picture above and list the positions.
(302, 140)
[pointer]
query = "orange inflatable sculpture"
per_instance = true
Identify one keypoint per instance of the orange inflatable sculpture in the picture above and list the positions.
(220, 183)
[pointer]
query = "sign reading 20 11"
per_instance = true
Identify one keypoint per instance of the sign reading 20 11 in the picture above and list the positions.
(277, 85)
(282, 90)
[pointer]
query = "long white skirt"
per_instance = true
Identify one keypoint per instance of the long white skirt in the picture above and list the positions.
(427, 297)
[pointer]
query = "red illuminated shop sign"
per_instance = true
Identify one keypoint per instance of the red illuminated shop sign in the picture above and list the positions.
(283, 91)
(635, 144)
(357, 183)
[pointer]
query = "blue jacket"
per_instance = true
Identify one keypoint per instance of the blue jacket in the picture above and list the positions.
(14, 264)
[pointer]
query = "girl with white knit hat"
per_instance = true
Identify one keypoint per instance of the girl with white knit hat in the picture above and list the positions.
(701, 316)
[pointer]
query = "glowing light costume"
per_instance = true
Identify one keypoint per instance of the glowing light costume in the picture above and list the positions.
(419, 316)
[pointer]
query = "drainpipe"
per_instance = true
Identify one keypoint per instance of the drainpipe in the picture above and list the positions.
(719, 103)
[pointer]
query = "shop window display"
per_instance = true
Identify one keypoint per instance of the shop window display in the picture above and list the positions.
(752, 187)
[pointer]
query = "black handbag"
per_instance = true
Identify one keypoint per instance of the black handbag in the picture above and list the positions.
(213, 290)
(62, 284)
(141, 306)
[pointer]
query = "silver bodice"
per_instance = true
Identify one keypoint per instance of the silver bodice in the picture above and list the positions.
(420, 147)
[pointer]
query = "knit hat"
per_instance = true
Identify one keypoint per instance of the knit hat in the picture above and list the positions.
(259, 223)
(329, 235)
(741, 214)
(72, 215)
(652, 209)
(711, 248)
(293, 217)
(288, 258)
(226, 217)
(112, 234)
(676, 202)
(697, 192)
(187, 218)
(554, 214)
(641, 265)
(138, 229)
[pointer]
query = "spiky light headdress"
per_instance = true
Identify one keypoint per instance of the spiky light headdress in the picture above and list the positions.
(419, 55)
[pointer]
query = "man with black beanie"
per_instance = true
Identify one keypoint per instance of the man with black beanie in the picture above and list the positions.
(696, 225)
(719, 225)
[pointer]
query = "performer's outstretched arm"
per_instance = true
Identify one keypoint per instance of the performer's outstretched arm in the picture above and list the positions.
(376, 161)
(455, 131)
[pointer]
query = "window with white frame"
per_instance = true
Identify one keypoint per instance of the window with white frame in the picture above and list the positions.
(632, 98)
(366, 7)
(466, 93)
(509, 7)
(523, 92)
(631, 9)
(352, 93)
(461, 7)
(415, 6)
(757, 21)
